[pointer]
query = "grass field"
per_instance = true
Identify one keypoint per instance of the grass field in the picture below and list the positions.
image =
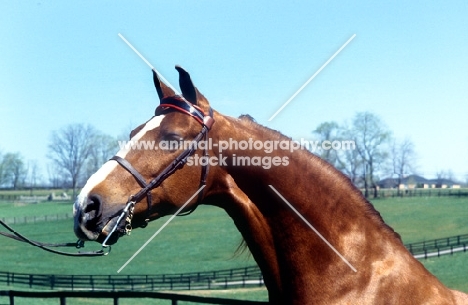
(27, 210)
(423, 218)
(207, 240)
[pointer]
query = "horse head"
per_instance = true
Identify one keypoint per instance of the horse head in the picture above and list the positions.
(147, 178)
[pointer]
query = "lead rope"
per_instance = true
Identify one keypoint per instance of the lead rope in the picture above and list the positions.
(46, 246)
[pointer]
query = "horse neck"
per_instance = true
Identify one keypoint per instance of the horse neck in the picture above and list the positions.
(295, 262)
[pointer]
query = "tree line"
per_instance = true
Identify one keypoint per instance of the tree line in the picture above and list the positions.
(77, 151)
(377, 155)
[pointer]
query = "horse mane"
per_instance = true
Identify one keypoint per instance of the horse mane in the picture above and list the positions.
(369, 208)
(248, 117)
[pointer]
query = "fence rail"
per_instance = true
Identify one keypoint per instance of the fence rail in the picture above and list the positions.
(32, 198)
(222, 279)
(438, 247)
(420, 192)
(116, 295)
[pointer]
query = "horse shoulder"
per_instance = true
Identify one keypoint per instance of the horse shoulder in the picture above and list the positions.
(460, 297)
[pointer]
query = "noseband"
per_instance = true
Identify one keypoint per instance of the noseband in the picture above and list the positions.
(167, 105)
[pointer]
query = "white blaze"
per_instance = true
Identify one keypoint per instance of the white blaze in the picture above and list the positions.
(110, 165)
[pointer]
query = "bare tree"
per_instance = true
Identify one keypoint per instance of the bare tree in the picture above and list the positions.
(15, 171)
(328, 131)
(351, 162)
(69, 149)
(56, 176)
(102, 148)
(447, 174)
(2, 170)
(403, 158)
(34, 174)
(371, 137)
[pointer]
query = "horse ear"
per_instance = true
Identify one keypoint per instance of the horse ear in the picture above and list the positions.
(161, 88)
(186, 85)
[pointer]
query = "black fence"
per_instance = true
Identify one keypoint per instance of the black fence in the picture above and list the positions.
(8, 197)
(116, 295)
(439, 246)
(419, 192)
(222, 279)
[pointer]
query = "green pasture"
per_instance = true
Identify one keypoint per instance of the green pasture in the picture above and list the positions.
(18, 210)
(423, 218)
(207, 240)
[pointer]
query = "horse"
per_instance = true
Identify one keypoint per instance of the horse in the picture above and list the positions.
(297, 265)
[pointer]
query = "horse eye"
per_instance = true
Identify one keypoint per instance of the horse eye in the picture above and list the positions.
(173, 137)
(173, 142)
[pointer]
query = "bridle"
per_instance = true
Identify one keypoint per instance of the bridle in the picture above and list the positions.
(168, 104)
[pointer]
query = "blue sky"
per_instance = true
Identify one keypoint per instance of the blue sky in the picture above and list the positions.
(63, 63)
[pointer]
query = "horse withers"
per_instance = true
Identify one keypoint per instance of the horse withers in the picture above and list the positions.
(138, 186)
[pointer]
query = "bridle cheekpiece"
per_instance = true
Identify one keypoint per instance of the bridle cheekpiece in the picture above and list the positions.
(168, 104)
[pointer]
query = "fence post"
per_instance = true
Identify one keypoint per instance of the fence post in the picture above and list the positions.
(63, 300)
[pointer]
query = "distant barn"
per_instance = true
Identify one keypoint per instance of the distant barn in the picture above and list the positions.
(416, 181)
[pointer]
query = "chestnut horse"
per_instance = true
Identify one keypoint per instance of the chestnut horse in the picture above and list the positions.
(298, 266)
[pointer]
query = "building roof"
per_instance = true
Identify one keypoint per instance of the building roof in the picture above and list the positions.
(413, 179)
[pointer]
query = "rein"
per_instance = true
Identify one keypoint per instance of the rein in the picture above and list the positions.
(47, 247)
(167, 105)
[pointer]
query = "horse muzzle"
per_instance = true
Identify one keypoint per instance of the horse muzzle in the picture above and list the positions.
(90, 224)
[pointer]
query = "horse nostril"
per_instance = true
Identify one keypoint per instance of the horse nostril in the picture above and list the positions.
(93, 207)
